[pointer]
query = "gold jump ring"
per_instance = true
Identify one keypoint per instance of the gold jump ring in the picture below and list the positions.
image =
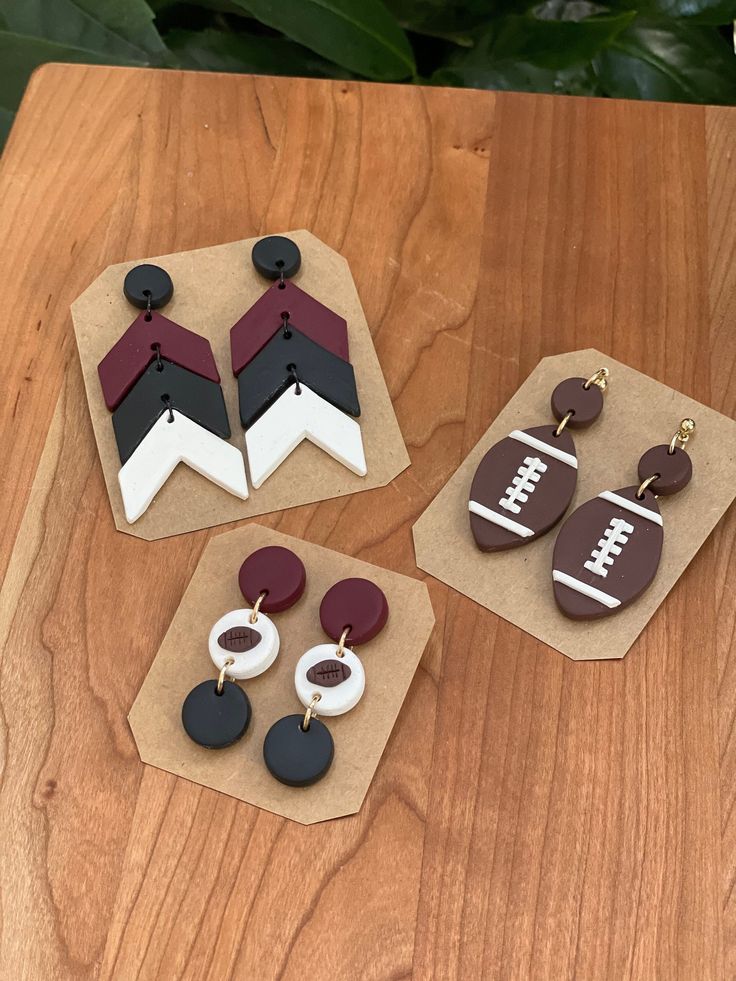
(256, 607)
(310, 713)
(223, 673)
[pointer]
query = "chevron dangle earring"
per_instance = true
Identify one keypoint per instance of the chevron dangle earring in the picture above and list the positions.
(243, 644)
(162, 385)
(290, 356)
(524, 483)
(329, 679)
(608, 551)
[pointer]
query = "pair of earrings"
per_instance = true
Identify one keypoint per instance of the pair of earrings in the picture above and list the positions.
(608, 551)
(290, 355)
(298, 749)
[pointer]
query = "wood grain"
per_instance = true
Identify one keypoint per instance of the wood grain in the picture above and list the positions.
(721, 145)
(531, 818)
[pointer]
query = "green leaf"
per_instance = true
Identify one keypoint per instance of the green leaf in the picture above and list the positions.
(521, 77)
(714, 12)
(672, 61)
(225, 51)
(452, 19)
(360, 35)
(131, 19)
(6, 121)
(557, 44)
(120, 28)
(576, 10)
(20, 55)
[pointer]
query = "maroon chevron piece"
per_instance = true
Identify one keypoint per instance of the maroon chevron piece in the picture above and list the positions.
(126, 361)
(258, 324)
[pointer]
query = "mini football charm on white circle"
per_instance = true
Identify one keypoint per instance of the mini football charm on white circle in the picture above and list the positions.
(252, 647)
(243, 643)
(329, 680)
(339, 681)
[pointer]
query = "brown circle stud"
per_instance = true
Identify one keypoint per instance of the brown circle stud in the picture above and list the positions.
(276, 571)
(355, 603)
(674, 469)
(571, 395)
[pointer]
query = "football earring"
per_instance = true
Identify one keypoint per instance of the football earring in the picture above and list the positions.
(243, 644)
(161, 383)
(524, 483)
(290, 356)
(329, 678)
(608, 550)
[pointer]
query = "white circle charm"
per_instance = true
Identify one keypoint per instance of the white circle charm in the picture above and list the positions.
(340, 681)
(252, 646)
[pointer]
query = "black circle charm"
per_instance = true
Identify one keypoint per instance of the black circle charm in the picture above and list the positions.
(216, 721)
(276, 256)
(148, 283)
(295, 756)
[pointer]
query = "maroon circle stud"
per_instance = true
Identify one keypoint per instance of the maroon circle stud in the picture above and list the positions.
(355, 603)
(275, 571)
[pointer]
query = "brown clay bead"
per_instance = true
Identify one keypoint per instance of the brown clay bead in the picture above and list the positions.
(237, 640)
(329, 673)
(276, 571)
(571, 395)
(355, 603)
(674, 469)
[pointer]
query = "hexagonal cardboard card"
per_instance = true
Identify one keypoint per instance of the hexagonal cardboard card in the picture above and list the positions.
(639, 412)
(213, 288)
(360, 736)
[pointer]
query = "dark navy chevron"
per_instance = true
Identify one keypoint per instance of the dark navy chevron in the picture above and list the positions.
(163, 385)
(288, 356)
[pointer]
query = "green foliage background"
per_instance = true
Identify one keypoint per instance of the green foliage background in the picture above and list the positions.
(679, 50)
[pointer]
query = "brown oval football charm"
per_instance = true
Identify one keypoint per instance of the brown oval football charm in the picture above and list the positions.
(329, 673)
(522, 487)
(237, 640)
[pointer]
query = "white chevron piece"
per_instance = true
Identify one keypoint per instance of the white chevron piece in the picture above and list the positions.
(293, 418)
(169, 443)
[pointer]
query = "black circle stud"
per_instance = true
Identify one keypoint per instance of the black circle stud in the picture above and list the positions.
(295, 756)
(148, 287)
(216, 721)
(276, 256)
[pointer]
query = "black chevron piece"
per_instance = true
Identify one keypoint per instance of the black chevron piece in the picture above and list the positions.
(288, 356)
(166, 384)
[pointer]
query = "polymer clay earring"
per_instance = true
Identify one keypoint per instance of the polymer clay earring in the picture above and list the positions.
(243, 644)
(161, 383)
(295, 382)
(608, 551)
(525, 482)
(298, 749)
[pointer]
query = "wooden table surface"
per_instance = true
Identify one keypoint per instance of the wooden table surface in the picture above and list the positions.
(532, 817)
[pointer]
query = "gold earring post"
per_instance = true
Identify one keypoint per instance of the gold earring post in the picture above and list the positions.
(683, 434)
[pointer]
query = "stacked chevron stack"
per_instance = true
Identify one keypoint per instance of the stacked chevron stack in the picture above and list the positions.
(290, 356)
(161, 383)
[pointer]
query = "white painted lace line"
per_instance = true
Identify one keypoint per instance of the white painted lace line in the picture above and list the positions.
(632, 506)
(543, 447)
(499, 519)
(585, 589)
